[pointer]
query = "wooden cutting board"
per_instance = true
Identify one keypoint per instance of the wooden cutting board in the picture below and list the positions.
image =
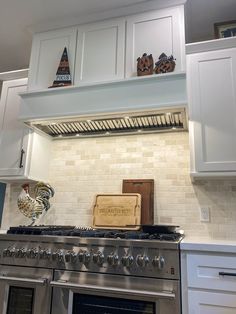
(117, 211)
(145, 187)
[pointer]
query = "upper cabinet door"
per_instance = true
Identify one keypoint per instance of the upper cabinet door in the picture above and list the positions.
(154, 33)
(212, 103)
(47, 49)
(14, 136)
(24, 153)
(100, 51)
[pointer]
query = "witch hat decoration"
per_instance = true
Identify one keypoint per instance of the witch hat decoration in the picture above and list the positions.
(63, 77)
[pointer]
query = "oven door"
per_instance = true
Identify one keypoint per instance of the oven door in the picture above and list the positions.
(86, 293)
(25, 290)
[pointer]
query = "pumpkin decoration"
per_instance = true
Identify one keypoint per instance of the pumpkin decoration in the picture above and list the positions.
(145, 65)
(164, 64)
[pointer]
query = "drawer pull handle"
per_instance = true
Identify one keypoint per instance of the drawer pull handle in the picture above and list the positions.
(221, 273)
(21, 158)
(40, 282)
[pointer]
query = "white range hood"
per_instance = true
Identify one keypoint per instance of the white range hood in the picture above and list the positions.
(141, 104)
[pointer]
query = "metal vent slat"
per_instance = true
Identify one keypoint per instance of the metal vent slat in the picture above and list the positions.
(159, 121)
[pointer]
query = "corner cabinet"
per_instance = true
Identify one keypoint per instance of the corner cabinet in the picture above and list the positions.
(211, 80)
(24, 153)
(208, 282)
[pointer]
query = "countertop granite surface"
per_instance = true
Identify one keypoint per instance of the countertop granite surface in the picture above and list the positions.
(208, 245)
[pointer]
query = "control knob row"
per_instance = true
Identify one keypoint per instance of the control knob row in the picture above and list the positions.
(143, 261)
(84, 257)
(13, 252)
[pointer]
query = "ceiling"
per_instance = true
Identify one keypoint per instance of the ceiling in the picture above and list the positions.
(20, 18)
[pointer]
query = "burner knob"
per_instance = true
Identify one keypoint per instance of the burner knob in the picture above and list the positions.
(159, 262)
(87, 257)
(44, 254)
(22, 252)
(58, 256)
(81, 256)
(12, 252)
(112, 259)
(98, 258)
(70, 257)
(142, 260)
(6, 252)
(127, 260)
(84, 257)
(9, 252)
(73, 257)
(32, 253)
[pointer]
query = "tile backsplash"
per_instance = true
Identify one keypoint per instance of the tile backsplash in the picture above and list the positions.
(80, 168)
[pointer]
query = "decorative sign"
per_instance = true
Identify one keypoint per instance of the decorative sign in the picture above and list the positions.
(225, 29)
(63, 77)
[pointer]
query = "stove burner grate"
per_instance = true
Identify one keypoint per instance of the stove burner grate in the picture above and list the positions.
(88, 232)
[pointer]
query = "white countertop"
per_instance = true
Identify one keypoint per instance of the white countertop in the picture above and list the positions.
(209, 245)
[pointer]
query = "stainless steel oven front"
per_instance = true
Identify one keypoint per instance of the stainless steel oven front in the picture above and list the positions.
(89, 275)
(87, 293)
(25, 290)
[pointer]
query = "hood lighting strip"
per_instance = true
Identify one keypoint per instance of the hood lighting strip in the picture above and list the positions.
(152, 122)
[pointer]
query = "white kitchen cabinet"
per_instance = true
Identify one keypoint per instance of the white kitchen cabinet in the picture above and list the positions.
(100, 51)
(205, 290)
(47, 49)
(108, 50)
(204, 302)
(24, 153)
(211, 80)
(154, 33)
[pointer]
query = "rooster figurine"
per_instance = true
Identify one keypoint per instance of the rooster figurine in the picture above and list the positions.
(34, 207)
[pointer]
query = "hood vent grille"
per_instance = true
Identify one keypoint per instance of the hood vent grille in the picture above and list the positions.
(126, 124)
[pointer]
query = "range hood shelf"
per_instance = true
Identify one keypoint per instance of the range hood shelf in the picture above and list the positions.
(140, 104)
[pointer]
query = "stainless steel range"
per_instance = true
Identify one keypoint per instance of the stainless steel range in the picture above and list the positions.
(89, 271)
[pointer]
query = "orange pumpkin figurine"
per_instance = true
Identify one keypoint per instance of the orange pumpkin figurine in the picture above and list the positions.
(145, 65)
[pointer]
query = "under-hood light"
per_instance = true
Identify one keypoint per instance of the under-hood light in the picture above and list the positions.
(143, 122)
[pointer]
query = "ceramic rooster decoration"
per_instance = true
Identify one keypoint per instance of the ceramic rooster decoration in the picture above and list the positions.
(34, 207)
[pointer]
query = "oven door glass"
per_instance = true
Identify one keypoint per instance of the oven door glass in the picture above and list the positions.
(88, 304)
(25, 290)
(20, 300)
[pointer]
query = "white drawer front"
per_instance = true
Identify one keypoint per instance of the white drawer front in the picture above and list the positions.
(201, 302)
(204, 272)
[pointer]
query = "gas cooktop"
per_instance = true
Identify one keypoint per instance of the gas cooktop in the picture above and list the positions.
(87, 232)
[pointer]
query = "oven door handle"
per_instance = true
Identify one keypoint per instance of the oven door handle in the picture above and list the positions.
(39, 282)
(69, 285)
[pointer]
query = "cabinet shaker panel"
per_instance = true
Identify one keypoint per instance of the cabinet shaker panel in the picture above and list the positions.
(212, 103)
(14, 136)
(24, 153)
(100, 51)
(154, 33)
(47, 49)
(209, 302)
